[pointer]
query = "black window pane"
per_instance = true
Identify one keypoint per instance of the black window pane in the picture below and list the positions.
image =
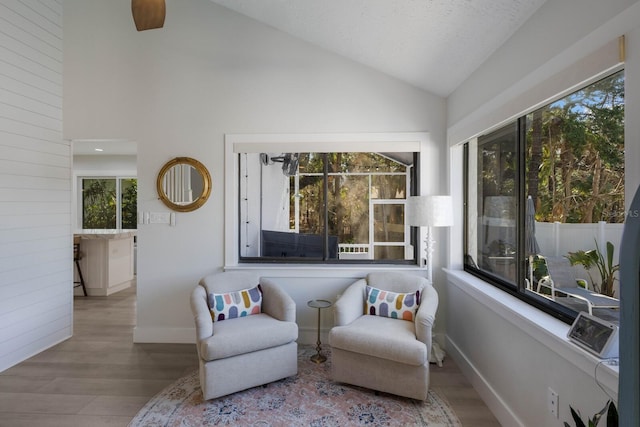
(493, 248)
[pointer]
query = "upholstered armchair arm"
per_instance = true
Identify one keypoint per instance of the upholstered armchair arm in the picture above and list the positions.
(276, 302)
(201, 315)
(350, 305)
(426, 315)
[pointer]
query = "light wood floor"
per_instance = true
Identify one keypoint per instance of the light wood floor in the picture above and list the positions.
(100, 378)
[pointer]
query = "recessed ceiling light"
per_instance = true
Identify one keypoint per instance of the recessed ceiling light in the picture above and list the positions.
(98, 149)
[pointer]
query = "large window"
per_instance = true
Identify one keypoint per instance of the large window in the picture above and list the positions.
(545, 203)
(326, 207)
(109, 203)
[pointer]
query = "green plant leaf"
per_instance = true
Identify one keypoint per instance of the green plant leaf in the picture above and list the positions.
(612, 415)
(598, 416)
(605, 267)
(576, 418)
(610, 250)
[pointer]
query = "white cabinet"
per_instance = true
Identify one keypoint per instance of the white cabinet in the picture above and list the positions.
(107, 260)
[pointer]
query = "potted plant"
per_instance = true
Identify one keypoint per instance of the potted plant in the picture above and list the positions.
(594, 258)
(610, 409)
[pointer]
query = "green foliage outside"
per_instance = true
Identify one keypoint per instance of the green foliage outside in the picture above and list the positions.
(99, 203)
(347, 206)
(129, 203)
(605, 266)
(575, 155)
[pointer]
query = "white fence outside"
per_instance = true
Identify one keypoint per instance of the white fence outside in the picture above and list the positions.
(557, 239)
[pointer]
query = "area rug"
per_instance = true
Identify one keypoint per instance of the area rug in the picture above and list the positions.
(307, 399)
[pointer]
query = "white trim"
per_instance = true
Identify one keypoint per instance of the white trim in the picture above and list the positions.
(491, 398)
(540, 326)
(76, 197)
(326, 142)
(304, 271)
(259, 143)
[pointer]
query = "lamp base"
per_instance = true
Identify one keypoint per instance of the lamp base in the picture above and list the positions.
(428, 251)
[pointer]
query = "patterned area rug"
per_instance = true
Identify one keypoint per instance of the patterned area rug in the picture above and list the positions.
(310, 398)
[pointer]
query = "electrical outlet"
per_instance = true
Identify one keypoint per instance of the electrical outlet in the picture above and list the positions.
(552, 402)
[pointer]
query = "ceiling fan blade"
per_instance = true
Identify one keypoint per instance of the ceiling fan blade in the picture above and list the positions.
(148, 14)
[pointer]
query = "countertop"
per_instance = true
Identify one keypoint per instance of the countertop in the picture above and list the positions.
(104, 234)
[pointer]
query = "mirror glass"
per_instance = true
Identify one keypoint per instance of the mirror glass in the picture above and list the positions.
(184, 184)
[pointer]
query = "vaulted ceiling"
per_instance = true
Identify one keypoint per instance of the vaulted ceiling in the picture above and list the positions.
(432, 44)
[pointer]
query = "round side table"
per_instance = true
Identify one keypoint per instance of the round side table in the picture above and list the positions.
(319, 304)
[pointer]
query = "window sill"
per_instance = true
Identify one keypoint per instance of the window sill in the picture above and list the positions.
(323, 270)
(540, 326)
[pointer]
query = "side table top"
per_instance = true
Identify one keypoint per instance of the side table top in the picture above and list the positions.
(319, 303)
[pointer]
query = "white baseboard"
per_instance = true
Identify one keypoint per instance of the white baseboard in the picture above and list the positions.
(164, 335)
(491, 398)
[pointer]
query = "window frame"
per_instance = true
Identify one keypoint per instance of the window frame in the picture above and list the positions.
(80, 199)
(357, 142)
(409, 177)
(517, 289)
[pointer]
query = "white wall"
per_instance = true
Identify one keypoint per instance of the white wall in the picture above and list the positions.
(121, 165)
(35, 184)
(178, 90)
(508, 356)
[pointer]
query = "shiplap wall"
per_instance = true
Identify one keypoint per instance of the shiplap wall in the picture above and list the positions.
(36, 302)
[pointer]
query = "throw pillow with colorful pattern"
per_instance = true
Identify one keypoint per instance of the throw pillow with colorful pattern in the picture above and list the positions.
(392, 304)
(235, 304)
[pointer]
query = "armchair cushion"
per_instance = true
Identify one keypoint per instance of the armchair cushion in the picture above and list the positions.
(235, 304)
(245, 335)
(380, 302)
(381, 337)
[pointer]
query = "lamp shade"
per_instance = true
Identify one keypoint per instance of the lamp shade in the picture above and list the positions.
(430, 211)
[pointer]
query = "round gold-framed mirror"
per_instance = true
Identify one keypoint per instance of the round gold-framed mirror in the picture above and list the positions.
(183, 184)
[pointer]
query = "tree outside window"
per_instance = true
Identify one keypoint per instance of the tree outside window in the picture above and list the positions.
(568, 158)
(109, 203)
(339, 207)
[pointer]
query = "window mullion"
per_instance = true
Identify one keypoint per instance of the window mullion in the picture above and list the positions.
(325, 189)
(119, 203)
(521, 153)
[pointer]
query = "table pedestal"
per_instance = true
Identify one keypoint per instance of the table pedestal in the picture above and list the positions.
(319, 304)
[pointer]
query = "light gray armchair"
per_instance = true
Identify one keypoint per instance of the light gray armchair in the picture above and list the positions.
(244, 352)
(383, 353)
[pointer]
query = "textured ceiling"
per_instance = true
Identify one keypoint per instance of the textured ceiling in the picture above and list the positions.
(431, 44)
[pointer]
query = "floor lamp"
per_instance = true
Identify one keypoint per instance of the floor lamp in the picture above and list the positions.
(429, 211)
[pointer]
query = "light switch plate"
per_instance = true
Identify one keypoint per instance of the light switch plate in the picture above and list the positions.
(159, 217)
